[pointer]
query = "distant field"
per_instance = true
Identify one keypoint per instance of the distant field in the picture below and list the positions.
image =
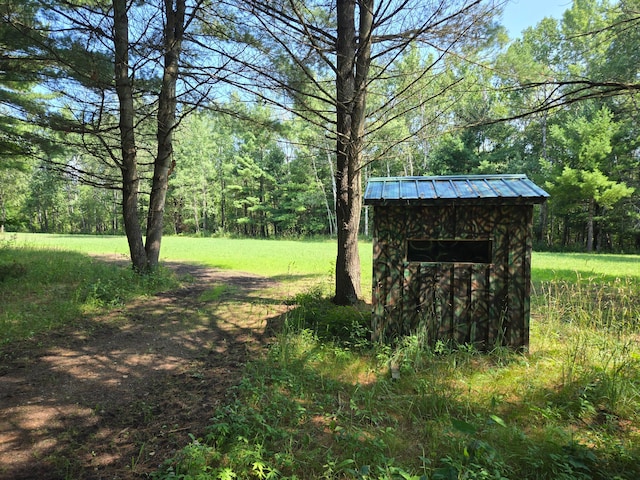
(549, 266)
(274, 258)
(313, 258)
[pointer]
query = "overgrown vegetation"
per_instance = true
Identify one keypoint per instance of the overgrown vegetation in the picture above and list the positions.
(45, 289)
(322, 403)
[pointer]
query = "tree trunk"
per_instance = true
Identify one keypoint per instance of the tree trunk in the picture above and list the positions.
(196, 217)
(334, 192)
(173, 34)
(114, 219)
(542, 227)
(222, 221)
(565, 231)
(3, 212)
(128, 167)
(353, 60)
(205, 208)
(347, 288)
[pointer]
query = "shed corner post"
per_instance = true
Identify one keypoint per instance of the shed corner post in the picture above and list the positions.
(377, 295)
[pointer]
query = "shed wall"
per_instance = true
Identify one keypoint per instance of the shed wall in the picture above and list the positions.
(485, 304)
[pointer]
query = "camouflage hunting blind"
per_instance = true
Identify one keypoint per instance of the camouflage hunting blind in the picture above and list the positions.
(452, 257)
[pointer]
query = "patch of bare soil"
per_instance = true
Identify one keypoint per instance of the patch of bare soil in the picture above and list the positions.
(115, 398)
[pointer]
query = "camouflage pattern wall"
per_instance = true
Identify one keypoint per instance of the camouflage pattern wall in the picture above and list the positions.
(485, 304)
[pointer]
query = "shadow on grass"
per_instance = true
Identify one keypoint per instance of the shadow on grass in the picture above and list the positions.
(308, 410)
(114, 394)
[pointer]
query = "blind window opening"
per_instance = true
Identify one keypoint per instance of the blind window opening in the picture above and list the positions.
(449, 251)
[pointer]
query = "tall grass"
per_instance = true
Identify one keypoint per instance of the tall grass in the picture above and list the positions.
(323, 403)
(594, 328)
(43, 289)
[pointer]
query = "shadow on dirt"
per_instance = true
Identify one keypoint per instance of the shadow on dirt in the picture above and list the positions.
(115, 399)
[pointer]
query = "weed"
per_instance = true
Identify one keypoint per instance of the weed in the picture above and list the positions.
(323, 405)
(348, 325)
(51, 289)
(12, 270)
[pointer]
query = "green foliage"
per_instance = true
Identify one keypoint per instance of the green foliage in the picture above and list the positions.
(20, 75)
(42, 290)
(478, 459)
(115, 287)
(261, 174)
(585, 142)
(347, 325)
(317, 408)
(235, 178)
(574, 187)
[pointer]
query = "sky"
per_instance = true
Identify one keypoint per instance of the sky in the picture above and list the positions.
(520, 14)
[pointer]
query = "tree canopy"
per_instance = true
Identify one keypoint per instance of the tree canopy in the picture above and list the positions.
(263, 119)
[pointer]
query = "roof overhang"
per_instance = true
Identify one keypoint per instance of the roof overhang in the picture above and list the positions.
(454, 190)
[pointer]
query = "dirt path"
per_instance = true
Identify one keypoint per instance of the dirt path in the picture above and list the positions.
(117, 397)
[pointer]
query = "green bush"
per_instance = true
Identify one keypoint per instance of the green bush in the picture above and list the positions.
(347, 325)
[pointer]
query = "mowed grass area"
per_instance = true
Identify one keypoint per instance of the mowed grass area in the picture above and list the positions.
(322, 403)
(292, 259)
(283, 259)
(547, 266)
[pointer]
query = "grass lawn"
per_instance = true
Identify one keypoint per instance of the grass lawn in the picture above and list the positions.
(277, 258)
(547, 266)
(321, 403)
(312, 258)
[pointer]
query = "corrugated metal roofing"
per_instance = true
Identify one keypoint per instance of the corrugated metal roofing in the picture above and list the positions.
(508, 189)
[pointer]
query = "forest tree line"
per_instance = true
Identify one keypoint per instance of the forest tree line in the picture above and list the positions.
(247, 168)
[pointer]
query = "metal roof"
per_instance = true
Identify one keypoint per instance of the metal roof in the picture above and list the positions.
(455, 189)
